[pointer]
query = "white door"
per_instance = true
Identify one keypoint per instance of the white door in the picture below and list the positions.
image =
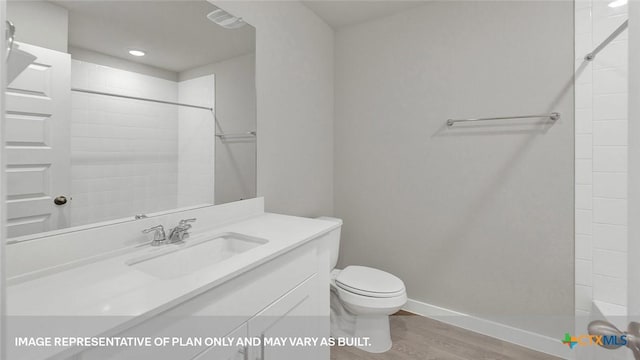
(38, 104)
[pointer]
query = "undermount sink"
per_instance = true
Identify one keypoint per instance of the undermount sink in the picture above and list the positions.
(176, 260)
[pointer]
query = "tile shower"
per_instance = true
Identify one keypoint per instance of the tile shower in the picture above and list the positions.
(601, 160)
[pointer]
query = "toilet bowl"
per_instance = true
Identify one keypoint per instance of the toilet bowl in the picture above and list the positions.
(362, 298)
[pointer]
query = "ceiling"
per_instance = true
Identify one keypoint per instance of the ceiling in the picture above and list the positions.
(342, 13)
(176, 35)
(172, 32)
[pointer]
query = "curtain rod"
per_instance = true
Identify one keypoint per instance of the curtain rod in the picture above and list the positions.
(592, 55)
(140, 98)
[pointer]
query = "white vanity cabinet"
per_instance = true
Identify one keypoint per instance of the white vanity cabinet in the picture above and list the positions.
(227, 352)
(291, 317)
(287, 296)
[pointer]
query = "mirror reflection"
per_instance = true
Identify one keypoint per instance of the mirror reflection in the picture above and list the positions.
(127, 109)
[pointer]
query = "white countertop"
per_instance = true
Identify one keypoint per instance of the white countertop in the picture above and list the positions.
(110, 287)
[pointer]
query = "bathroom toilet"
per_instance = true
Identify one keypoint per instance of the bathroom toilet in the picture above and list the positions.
(362, 298)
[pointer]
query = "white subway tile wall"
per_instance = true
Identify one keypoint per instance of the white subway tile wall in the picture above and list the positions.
(610, 237)
(123, 152)
(584, 247)
(196, 144)
(584, 294)
(584, 171)
(601, 157)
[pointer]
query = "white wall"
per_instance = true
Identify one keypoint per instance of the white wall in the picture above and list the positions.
(124, 156)
(601, 159)
(235, 113)
(294, 81)
(475, 218)
(196, 149)
(634, 161)
(40, 23)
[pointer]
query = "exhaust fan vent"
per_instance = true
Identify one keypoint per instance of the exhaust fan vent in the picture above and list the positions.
(225, 19)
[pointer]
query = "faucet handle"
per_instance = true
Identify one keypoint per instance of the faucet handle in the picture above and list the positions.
(186, 221)
(156, 228)
(158, 235)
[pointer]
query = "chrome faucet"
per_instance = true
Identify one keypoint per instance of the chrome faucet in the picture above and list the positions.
(180, 232)
(159, 236)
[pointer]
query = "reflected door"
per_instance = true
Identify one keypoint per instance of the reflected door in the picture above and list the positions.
(37, 144)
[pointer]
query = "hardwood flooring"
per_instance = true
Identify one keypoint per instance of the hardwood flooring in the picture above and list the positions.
(420, 338)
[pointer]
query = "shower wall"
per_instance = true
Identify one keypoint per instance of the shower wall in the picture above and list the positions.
(601, 160)
(476, 219)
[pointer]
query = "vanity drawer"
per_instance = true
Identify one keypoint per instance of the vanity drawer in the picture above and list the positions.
(219, 310)
(227, 352)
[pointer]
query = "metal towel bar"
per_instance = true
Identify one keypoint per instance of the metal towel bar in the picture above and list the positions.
(237, 135)
(553, 116)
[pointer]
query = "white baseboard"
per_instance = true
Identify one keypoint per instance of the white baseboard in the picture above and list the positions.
(490, 328)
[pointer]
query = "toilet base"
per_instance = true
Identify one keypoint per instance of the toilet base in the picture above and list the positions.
(376, 328)
(348, 325)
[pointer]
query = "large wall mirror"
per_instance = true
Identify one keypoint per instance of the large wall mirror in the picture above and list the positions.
(126, 109)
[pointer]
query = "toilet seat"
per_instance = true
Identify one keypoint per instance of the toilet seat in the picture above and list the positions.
(361, 298)
(370, 282)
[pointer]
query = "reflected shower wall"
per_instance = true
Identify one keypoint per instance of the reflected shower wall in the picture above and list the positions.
(196, 146)
(130, 154)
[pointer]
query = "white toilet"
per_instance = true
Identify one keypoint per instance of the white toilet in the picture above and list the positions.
(362, 298)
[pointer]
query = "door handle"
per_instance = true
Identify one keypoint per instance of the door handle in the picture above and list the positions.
(60, 200)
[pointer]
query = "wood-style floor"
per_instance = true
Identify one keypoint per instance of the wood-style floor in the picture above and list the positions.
(420, 338)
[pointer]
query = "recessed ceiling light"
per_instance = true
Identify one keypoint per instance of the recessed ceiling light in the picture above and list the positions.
(617, 3)
(137, 52)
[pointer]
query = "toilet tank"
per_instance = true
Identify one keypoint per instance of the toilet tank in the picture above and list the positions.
(334, 240)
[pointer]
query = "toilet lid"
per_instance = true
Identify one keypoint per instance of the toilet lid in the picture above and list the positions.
(369, 282)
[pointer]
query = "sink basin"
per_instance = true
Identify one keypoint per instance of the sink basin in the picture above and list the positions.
(176, 260)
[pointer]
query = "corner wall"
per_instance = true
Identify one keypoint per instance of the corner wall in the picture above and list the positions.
(476, 218)
(294, 82)
(235, 160)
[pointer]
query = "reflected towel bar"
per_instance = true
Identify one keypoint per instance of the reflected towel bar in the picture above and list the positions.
(237, 135)
(553, 116)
